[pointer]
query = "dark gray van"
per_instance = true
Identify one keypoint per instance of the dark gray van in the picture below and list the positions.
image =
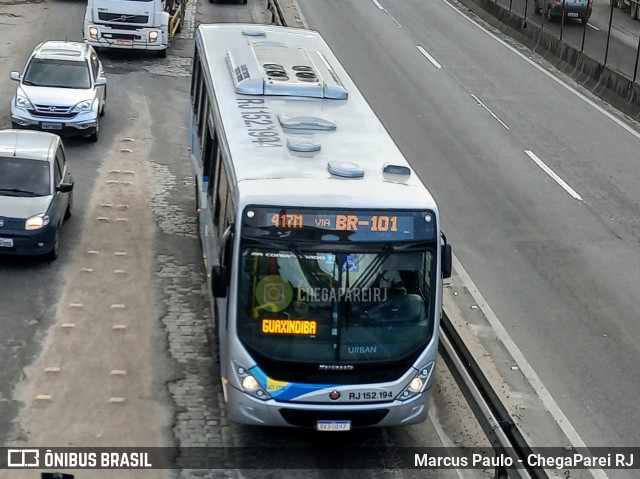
(36, 192)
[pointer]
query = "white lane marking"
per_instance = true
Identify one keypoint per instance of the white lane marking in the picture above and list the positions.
(549, 74)
(380, 7)
(594, 27)
(429, 57)
(490, 112)
(553, 175)
(396, 21)
(526, 368)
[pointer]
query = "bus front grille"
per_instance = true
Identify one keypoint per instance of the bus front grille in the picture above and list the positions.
(299, 418)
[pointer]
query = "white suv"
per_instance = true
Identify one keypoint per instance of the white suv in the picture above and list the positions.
(62, 90)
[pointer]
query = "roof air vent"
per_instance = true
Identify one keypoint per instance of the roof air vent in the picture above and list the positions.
(275, 72)
(303, 145)
(345, 169)
(306, 123)
(396, 169)
(254, 32)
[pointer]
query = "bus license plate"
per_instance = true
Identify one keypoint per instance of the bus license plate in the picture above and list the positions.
(124, 42)
(6, 243)
(333, 426)
(572, 14)
(52, 126)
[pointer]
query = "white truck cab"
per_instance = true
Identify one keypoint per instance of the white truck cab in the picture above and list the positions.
(133, 24)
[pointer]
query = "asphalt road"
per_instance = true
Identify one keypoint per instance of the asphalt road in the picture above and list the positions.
(30, 287)
(157, 382)
(561, 274)
(623, 43)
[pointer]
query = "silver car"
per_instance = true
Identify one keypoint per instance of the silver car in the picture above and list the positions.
(62, 90)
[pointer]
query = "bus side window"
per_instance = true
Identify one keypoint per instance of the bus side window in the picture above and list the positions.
(209, 154)
(213, 186)
(219, 211)
(195, 77)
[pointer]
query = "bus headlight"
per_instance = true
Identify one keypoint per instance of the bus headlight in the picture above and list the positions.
(93, 33)
(36, 222)
(249, 383)
(417, 384)
(153, 36)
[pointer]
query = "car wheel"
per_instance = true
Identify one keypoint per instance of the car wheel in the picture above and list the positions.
(53, 254)
(14, 125)
(102, 111)
(69, 212)
(96, 134)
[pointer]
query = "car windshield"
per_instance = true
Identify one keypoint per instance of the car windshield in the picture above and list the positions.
(319, 307)
(22, 177)
(50, 72)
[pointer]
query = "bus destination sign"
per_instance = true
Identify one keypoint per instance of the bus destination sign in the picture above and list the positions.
(358, 226)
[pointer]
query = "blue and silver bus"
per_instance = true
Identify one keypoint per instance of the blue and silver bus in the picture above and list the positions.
(322, 247)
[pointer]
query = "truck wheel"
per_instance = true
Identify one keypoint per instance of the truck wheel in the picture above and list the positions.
(162, 53)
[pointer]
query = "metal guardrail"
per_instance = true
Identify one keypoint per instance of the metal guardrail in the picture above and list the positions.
(277, 17)
(487, 407)
(492, 415)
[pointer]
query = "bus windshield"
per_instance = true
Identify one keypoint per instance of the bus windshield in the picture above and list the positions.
(333, 307)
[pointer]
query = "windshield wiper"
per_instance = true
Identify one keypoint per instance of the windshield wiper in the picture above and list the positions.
(303, 264)
(373, 267)
(18, 190)
(29, 83)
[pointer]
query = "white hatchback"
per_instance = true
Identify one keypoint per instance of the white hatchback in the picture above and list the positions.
(62, 90)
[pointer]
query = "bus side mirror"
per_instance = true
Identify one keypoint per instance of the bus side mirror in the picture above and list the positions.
(446, 260)
(219, 281)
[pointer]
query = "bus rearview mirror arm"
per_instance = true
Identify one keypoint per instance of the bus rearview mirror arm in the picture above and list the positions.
(447, 258)
(219, 281)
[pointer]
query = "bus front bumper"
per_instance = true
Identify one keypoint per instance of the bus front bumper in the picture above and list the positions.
(245, 409)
